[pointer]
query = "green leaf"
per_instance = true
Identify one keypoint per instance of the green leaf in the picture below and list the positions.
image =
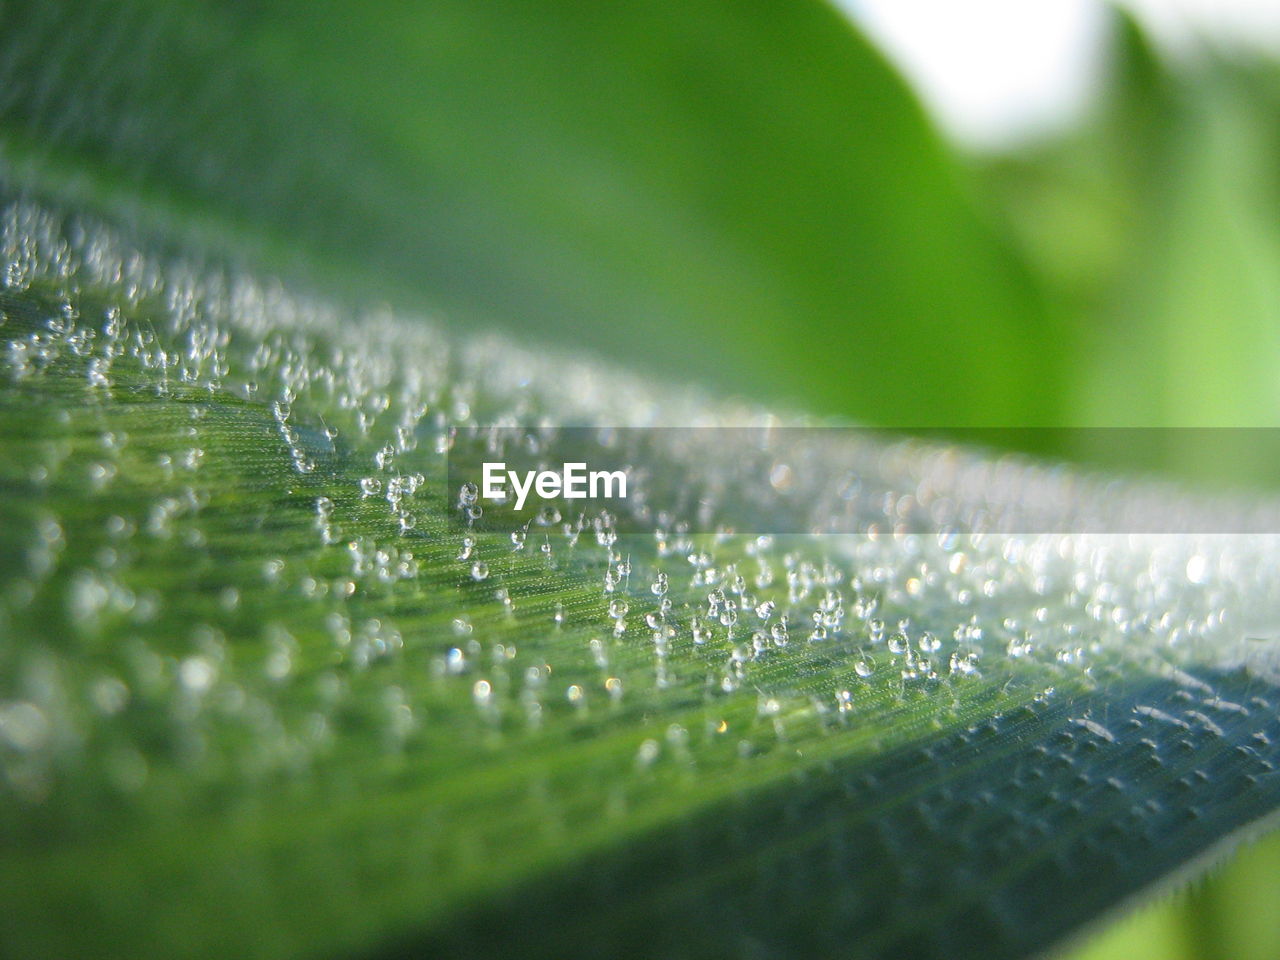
(259, 698)
(261, 695)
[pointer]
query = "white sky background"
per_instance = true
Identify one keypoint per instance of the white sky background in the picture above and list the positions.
(998, 71)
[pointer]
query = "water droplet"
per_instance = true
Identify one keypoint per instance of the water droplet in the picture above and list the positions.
(1198, 569)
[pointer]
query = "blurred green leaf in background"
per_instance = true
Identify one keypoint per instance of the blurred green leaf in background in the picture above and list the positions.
(743, 195)
(1152, 228)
